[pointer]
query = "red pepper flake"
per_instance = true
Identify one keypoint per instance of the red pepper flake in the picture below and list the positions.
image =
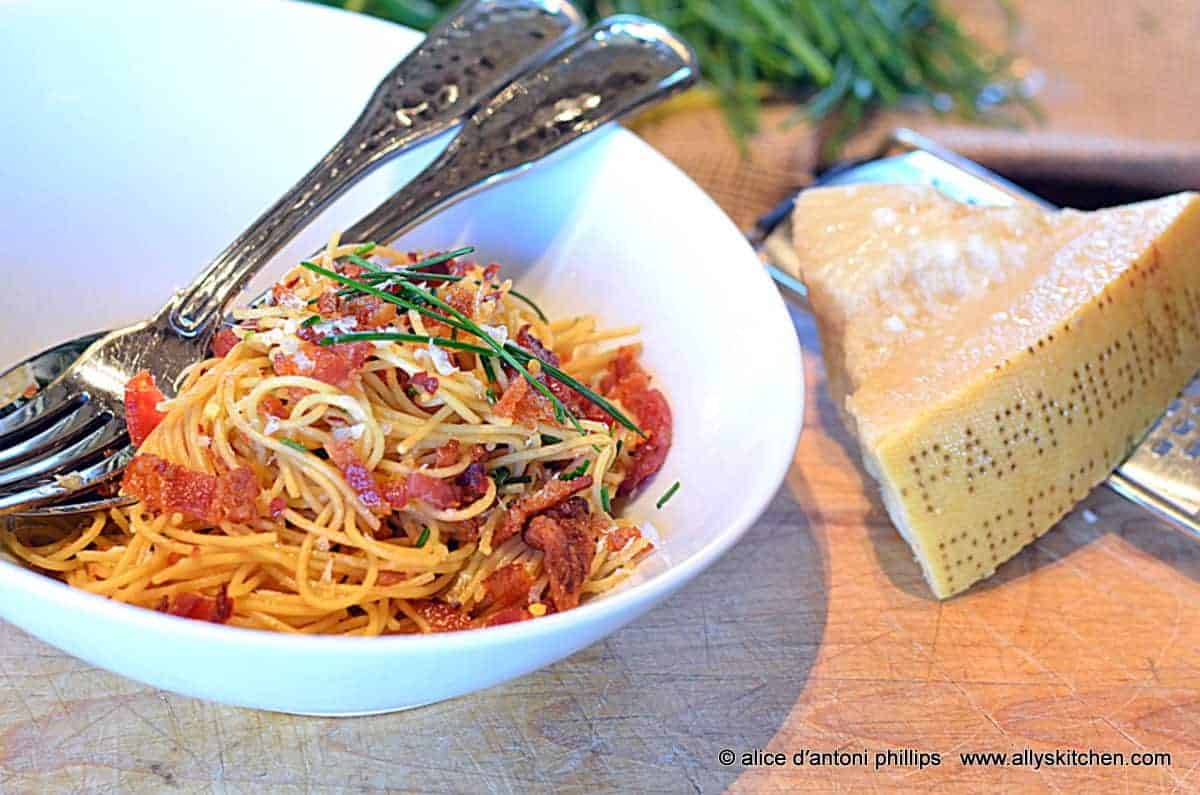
(142, 397)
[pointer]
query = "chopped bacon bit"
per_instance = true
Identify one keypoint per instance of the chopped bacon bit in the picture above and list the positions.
(30, 391)
(509, 615)
(618, 538)
(387, 578)
(357, 476)
(459, 267)
(142, 397)
(567, 547)
(491, 271)
(437, 493)
(461, 299)
(576, 403)
(535, 346)
(371, 311)
(522, 404)
(628, 383)
(573, 508)
(333, 364)
(507, 586)
(235, 495)
(224, 341)
(447, 454)
(328, 303)
(282, 294)
(273, 406)
(425, 381)
(441, 616)
(472, 482)
(554, 492)
(164, 486)
(349, 269)
(277, 507)
(394, 492)
(200, 607)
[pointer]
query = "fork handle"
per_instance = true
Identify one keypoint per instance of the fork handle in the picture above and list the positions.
(620, 65)
(465, 59)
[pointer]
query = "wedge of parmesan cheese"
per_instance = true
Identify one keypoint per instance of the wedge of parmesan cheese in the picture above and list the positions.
(996, 363)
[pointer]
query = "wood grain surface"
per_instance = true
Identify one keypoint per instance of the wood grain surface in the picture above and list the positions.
(816, 632)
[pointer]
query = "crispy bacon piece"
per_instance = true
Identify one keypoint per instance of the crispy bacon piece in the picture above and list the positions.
(447, 454)
(437, 493)
(277, 507)
(554, 492)
(509, 615)
(333, 364)
(395, 492)
(522, 404)
(328, 304)
(575, 402)
(357, 476)
(164, 486)
(282, 295)
(628, 383)
(371, 311)
(424, 381)
(441, 616)
(142, 397)
(223, 341)
(507, 586)
(199, 607)
(273, 406)
(491, 271)
(472, 482)
(567, 546)
(349, 269)
(532, 344)
(387, 578)
(618, 538)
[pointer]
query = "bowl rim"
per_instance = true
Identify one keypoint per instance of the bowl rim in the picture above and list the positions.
(758, 494)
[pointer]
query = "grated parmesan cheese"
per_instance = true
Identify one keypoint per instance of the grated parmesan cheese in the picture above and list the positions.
(349, 432)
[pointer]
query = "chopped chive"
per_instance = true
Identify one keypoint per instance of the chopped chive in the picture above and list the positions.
(292, 443)
(522, 297)
(490, 394)
(488, 370)
(421, 539)
(364, 249)
(578, 471)
(509, 353)
(548, 439)
(620, 444)
(311, 321)
(604, 500)
(500, 475)
(668, 495)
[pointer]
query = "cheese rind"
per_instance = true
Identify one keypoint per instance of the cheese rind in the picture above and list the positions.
(996, 364)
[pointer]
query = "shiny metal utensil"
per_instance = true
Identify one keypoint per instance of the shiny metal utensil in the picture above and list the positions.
(70, 436)
(1162, 474)
(617, 67)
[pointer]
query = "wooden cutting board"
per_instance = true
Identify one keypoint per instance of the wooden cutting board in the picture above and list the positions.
(815, 634)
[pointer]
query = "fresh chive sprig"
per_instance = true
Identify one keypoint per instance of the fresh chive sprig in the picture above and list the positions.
(513, 355)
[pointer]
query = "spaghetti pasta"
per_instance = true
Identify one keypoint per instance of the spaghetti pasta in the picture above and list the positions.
(390, 444)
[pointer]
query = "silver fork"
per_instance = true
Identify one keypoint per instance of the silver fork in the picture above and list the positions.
(617, 67)
(71, 435)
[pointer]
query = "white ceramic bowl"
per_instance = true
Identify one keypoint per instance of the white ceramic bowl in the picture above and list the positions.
(157, 130)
